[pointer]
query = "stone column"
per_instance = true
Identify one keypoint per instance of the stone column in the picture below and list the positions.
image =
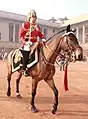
(13, 32)
(83, 40)
(42, 30)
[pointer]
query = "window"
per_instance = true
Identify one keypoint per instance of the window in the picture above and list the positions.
(11, 26)
(45, 33)
(0, 36)
(40, 29)
(53, 30)
(16, 32)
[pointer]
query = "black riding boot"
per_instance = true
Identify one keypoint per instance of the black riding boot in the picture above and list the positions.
(25, 61)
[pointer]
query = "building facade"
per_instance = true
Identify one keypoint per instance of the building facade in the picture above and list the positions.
(81, 25)
(10, 24)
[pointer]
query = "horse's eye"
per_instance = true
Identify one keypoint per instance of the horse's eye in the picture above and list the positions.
(71, 39)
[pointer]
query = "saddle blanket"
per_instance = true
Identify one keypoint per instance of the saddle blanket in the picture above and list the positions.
(17, 60)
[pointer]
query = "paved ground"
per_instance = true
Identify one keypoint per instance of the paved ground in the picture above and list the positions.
(73, 103)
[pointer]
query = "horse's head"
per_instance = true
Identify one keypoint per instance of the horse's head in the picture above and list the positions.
(69, 43)
(78, 53)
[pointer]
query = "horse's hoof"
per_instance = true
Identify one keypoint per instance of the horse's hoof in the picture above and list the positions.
(8, 93)
(53, 110)
(19, 96)
(34, 109)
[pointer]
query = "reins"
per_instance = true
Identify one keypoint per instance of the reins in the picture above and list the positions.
(45, 60)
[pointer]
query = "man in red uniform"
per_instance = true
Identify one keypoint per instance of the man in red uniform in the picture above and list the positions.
(28, 36)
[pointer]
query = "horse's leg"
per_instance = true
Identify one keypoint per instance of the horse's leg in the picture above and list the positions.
(61, 66)
(51, 84)
(9, 88)
(19, 75)
(34, 86)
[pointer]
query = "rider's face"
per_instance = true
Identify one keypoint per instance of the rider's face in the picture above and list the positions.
(33, 19)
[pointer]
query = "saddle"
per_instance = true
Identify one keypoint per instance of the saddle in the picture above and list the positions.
(17, 60)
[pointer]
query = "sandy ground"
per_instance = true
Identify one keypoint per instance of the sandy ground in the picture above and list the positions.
(73, 104)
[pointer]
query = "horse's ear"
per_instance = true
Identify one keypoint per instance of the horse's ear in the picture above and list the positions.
(68, 28)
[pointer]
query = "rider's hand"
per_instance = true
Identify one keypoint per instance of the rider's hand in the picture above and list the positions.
(44, 40)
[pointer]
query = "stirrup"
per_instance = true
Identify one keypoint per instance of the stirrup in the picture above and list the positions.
(25, 73)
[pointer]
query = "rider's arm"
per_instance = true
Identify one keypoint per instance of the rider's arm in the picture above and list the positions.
(23, 32)
(41, 36)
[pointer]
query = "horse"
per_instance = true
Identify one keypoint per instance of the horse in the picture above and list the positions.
(45, 68)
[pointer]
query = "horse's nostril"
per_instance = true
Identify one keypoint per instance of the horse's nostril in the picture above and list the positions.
(80, 57)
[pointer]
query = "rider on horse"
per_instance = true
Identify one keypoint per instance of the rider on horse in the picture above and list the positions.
(28, 36)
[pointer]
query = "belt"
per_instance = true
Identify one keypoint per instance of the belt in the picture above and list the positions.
(32, 38)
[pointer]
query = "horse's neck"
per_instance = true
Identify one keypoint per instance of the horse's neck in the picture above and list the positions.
(51, 51)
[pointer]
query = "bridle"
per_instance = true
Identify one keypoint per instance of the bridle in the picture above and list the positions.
(70, 48)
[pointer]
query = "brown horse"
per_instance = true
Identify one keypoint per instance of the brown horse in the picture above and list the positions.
(45, 68)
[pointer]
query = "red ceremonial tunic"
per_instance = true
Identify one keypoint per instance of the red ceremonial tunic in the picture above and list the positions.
(34, 31)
